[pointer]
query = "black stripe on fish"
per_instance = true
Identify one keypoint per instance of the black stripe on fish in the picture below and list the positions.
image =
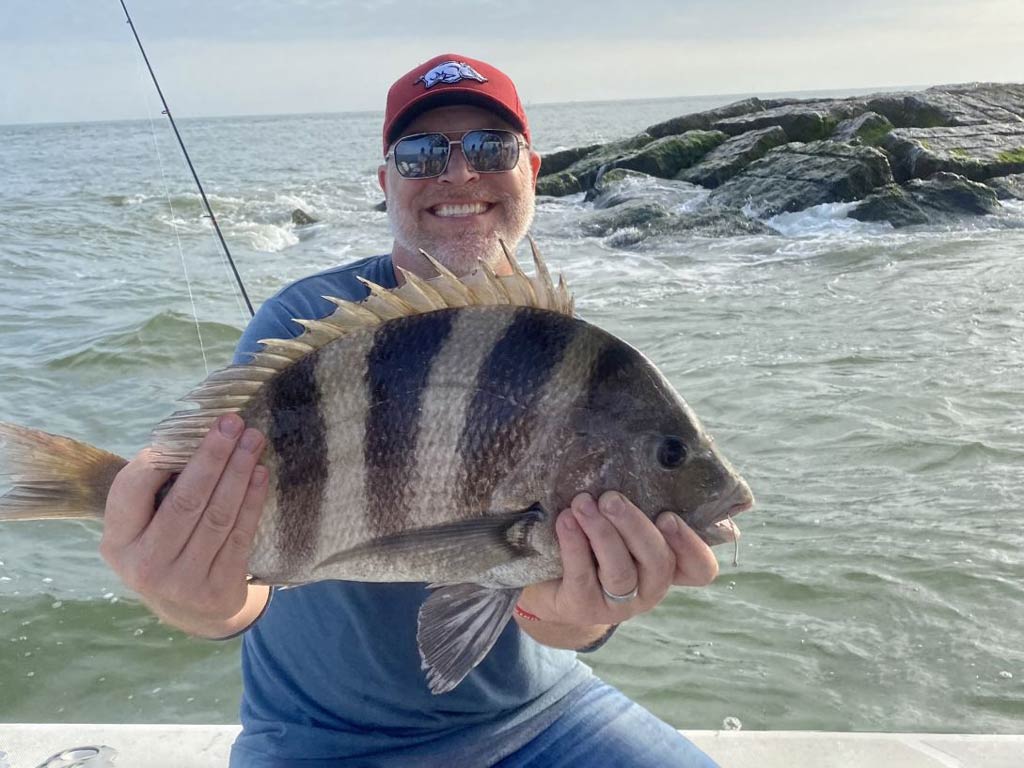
(623, 383)
(616, 370)
(397, 369)
(299, 438)
(501, 417)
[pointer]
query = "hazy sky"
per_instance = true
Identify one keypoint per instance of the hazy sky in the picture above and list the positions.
(68, 60)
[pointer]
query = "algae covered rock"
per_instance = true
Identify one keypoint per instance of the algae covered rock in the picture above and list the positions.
(639, 222)
(796, 176)
(936, 200)
(666, 156)
(801, 122)
(559, 185)
(556, 162)
(630, 214)
(704, 120)
(868, 129)
(951, 105)
(978, 152)
(586, 169)
(732, 156)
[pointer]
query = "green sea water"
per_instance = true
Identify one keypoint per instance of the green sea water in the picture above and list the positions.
(866, 381)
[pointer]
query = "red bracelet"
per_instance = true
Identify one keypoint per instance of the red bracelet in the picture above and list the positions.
(525, 614)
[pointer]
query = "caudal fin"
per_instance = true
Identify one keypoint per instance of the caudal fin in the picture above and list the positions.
(52, 476)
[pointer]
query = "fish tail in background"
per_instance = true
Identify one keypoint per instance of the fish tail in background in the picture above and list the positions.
(53, 476)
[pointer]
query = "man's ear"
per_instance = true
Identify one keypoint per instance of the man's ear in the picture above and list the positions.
(382, 179)
(534, 166)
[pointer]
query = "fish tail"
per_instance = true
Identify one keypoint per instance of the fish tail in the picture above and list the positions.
(52, 476)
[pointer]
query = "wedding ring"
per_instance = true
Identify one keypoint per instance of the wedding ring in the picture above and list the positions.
(621, 598)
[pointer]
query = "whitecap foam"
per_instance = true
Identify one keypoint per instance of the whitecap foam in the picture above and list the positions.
(268, 238)
(824, 219)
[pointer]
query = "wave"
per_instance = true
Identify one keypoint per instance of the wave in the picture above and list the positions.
(165, 339)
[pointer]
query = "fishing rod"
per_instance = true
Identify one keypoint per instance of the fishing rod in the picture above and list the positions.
(202, 193)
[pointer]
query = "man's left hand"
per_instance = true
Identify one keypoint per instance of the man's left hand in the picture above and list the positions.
(610, 547)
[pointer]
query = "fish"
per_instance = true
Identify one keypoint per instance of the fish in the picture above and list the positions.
(429, 433)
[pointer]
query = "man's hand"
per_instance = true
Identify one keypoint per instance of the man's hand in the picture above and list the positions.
(187, 559)
(611, 546)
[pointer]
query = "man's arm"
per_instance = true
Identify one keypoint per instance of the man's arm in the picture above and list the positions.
(611, 545)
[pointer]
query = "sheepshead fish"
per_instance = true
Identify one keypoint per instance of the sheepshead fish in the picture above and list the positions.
(429, 433)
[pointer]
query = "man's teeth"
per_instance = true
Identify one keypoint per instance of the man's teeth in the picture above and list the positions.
(468, 209)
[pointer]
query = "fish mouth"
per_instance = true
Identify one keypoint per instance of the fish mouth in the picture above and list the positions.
(719, 527)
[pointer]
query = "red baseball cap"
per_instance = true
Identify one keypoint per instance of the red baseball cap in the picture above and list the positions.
(452, 79)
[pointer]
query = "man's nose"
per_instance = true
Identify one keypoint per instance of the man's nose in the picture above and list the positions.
(458, 170)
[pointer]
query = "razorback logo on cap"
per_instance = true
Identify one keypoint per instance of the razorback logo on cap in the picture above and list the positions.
(450, 72)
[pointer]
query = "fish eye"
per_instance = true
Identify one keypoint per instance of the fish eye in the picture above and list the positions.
(671, 452)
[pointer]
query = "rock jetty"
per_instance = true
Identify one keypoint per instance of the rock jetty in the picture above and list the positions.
(916, 157)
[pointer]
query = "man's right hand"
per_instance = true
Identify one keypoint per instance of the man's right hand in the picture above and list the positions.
(188, 558)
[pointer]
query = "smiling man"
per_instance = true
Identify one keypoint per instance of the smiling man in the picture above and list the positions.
(332, 674)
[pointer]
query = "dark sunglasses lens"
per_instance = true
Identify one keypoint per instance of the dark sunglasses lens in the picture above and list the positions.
(420, 157)
(491, 151)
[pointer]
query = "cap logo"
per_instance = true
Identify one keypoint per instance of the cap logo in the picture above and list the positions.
(450, 72)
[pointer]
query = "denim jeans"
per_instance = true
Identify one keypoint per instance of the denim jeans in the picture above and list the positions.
(604, 729)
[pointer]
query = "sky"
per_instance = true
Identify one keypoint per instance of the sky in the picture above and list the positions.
(75, 60)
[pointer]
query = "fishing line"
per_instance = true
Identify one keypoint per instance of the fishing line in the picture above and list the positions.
(195, 176)
(174, 226)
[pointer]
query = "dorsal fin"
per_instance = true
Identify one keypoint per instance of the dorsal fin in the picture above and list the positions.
(231, 389)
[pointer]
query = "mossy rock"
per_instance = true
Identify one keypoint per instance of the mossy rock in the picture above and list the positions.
(559, 185)
(891, 204)
(556, 162)
(936, 200)
(630, 214)
(586, 169)
(977, 152)
(732, 156)
(868, 129)
(667, 156)
(1011, 157)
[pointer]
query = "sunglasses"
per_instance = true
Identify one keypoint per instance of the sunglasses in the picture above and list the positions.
(426, 155)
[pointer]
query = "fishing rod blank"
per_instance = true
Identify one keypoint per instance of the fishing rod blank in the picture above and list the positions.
(202, 193)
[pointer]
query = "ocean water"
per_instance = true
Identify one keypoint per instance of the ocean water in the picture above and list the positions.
(866, 381)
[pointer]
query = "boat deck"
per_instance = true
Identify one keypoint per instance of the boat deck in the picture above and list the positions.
(207, 746)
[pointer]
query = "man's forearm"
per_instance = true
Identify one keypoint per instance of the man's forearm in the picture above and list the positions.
(256, 601)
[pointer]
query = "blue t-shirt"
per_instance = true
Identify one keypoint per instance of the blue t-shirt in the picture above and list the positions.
(331, 671)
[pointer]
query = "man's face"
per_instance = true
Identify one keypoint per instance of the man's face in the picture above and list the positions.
(459, 216)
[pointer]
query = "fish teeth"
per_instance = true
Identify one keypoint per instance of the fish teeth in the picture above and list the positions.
(465, 209)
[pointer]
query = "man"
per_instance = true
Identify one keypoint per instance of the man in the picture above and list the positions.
(331, 670)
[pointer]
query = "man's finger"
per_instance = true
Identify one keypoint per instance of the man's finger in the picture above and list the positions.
(696, 564)
(647, 546)
(219, 518)
(233, 558)
(179, 513)
(579, 573)
(616, 571)
(130, 502)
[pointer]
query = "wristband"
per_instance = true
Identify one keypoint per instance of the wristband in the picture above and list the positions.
(523, 614)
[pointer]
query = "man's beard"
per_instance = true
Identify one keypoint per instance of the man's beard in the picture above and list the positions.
(461, 254)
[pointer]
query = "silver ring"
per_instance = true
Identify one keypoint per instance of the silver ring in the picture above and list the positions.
(621, 598)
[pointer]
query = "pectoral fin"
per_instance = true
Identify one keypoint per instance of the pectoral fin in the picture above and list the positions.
(457, 626)
(479, 543)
